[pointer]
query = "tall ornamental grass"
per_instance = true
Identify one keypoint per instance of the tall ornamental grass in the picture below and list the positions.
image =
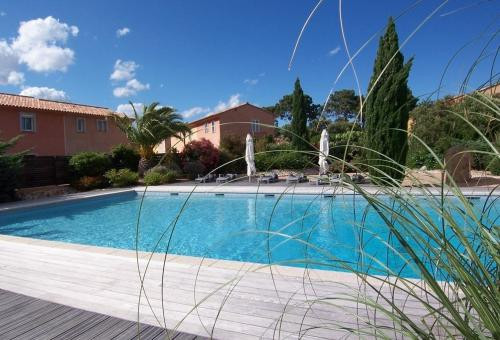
(446, 243)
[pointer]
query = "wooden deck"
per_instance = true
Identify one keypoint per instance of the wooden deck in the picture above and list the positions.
(24, 317)
(219, 299)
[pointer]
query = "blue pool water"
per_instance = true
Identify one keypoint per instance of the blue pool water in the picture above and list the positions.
(255, 228)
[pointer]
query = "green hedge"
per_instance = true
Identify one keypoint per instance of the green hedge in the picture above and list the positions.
(90, 164)
(292, 160)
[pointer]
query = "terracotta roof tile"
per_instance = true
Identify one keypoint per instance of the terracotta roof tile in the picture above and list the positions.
(14, 100)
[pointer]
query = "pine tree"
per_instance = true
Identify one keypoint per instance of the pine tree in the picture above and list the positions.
(299, 118)
(387, 108)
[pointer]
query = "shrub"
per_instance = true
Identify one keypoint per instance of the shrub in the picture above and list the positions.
(193, 169)
(91, 164)
(233, 145)
(260, 146)
(494, 166)
(124, 157)
(90, 182)
(122, 177)
(421, 157)
(283, 160)
(201, 150)
(161, 169)
(10, 168)
(228, 163)
(172, 160)
(158, 178)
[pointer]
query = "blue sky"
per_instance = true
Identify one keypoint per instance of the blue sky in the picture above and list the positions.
(200, 56)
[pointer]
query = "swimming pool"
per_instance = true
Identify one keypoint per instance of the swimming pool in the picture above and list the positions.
(327, 231)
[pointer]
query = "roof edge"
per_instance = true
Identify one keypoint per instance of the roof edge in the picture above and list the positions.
(216, 114)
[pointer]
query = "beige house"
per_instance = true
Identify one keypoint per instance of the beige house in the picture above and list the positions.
(236, 121)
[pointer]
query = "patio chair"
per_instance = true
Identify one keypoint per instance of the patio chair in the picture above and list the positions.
(205, 179)
(268, 178)
(296, 178)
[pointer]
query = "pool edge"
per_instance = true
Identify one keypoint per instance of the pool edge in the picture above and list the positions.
(240, 266)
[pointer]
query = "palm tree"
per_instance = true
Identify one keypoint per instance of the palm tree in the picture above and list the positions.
(148, 130)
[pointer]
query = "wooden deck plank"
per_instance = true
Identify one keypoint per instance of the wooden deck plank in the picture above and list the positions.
(45, 330)
(131, 332)
(63, 324)
(37, 320)
(43, 320)
(22, 320)
(94, 332)
(17, 313)
(149, 333)
(82, 327)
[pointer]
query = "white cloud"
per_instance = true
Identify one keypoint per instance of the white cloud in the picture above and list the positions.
(262, 74)
(233, 101)
(8, 66)
(130, 89)
(124, 70)
(334, 51)
(197, 111)
(37, 44)
(2, 14)
(15, 78)
(251, 81)
(194, 111)
(121, 92)
(127, 109)
(44, 93)
(137, 85)
(122, 32)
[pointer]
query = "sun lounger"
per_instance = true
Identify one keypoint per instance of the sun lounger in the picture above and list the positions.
(357, 178)
(268, 178)
(335, 179)
(225, 178)
(320, 180)
(296, 178)
(339, 178)
(205, 179)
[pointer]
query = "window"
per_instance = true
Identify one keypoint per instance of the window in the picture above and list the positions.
(80, 125)
(255, 127)
(102, 125)
(213, 127)
(28, 122)
(206, 127)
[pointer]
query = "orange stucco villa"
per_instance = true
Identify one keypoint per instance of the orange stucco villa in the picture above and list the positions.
(53, 128)
(238, 121)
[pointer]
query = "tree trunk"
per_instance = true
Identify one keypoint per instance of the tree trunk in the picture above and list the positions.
(144, 165)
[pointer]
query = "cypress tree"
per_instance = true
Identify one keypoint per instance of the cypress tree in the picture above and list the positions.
(299, 118)
(387, 108)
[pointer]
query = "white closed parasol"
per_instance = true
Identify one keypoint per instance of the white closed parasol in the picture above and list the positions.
(250, 157)
(324, 149)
